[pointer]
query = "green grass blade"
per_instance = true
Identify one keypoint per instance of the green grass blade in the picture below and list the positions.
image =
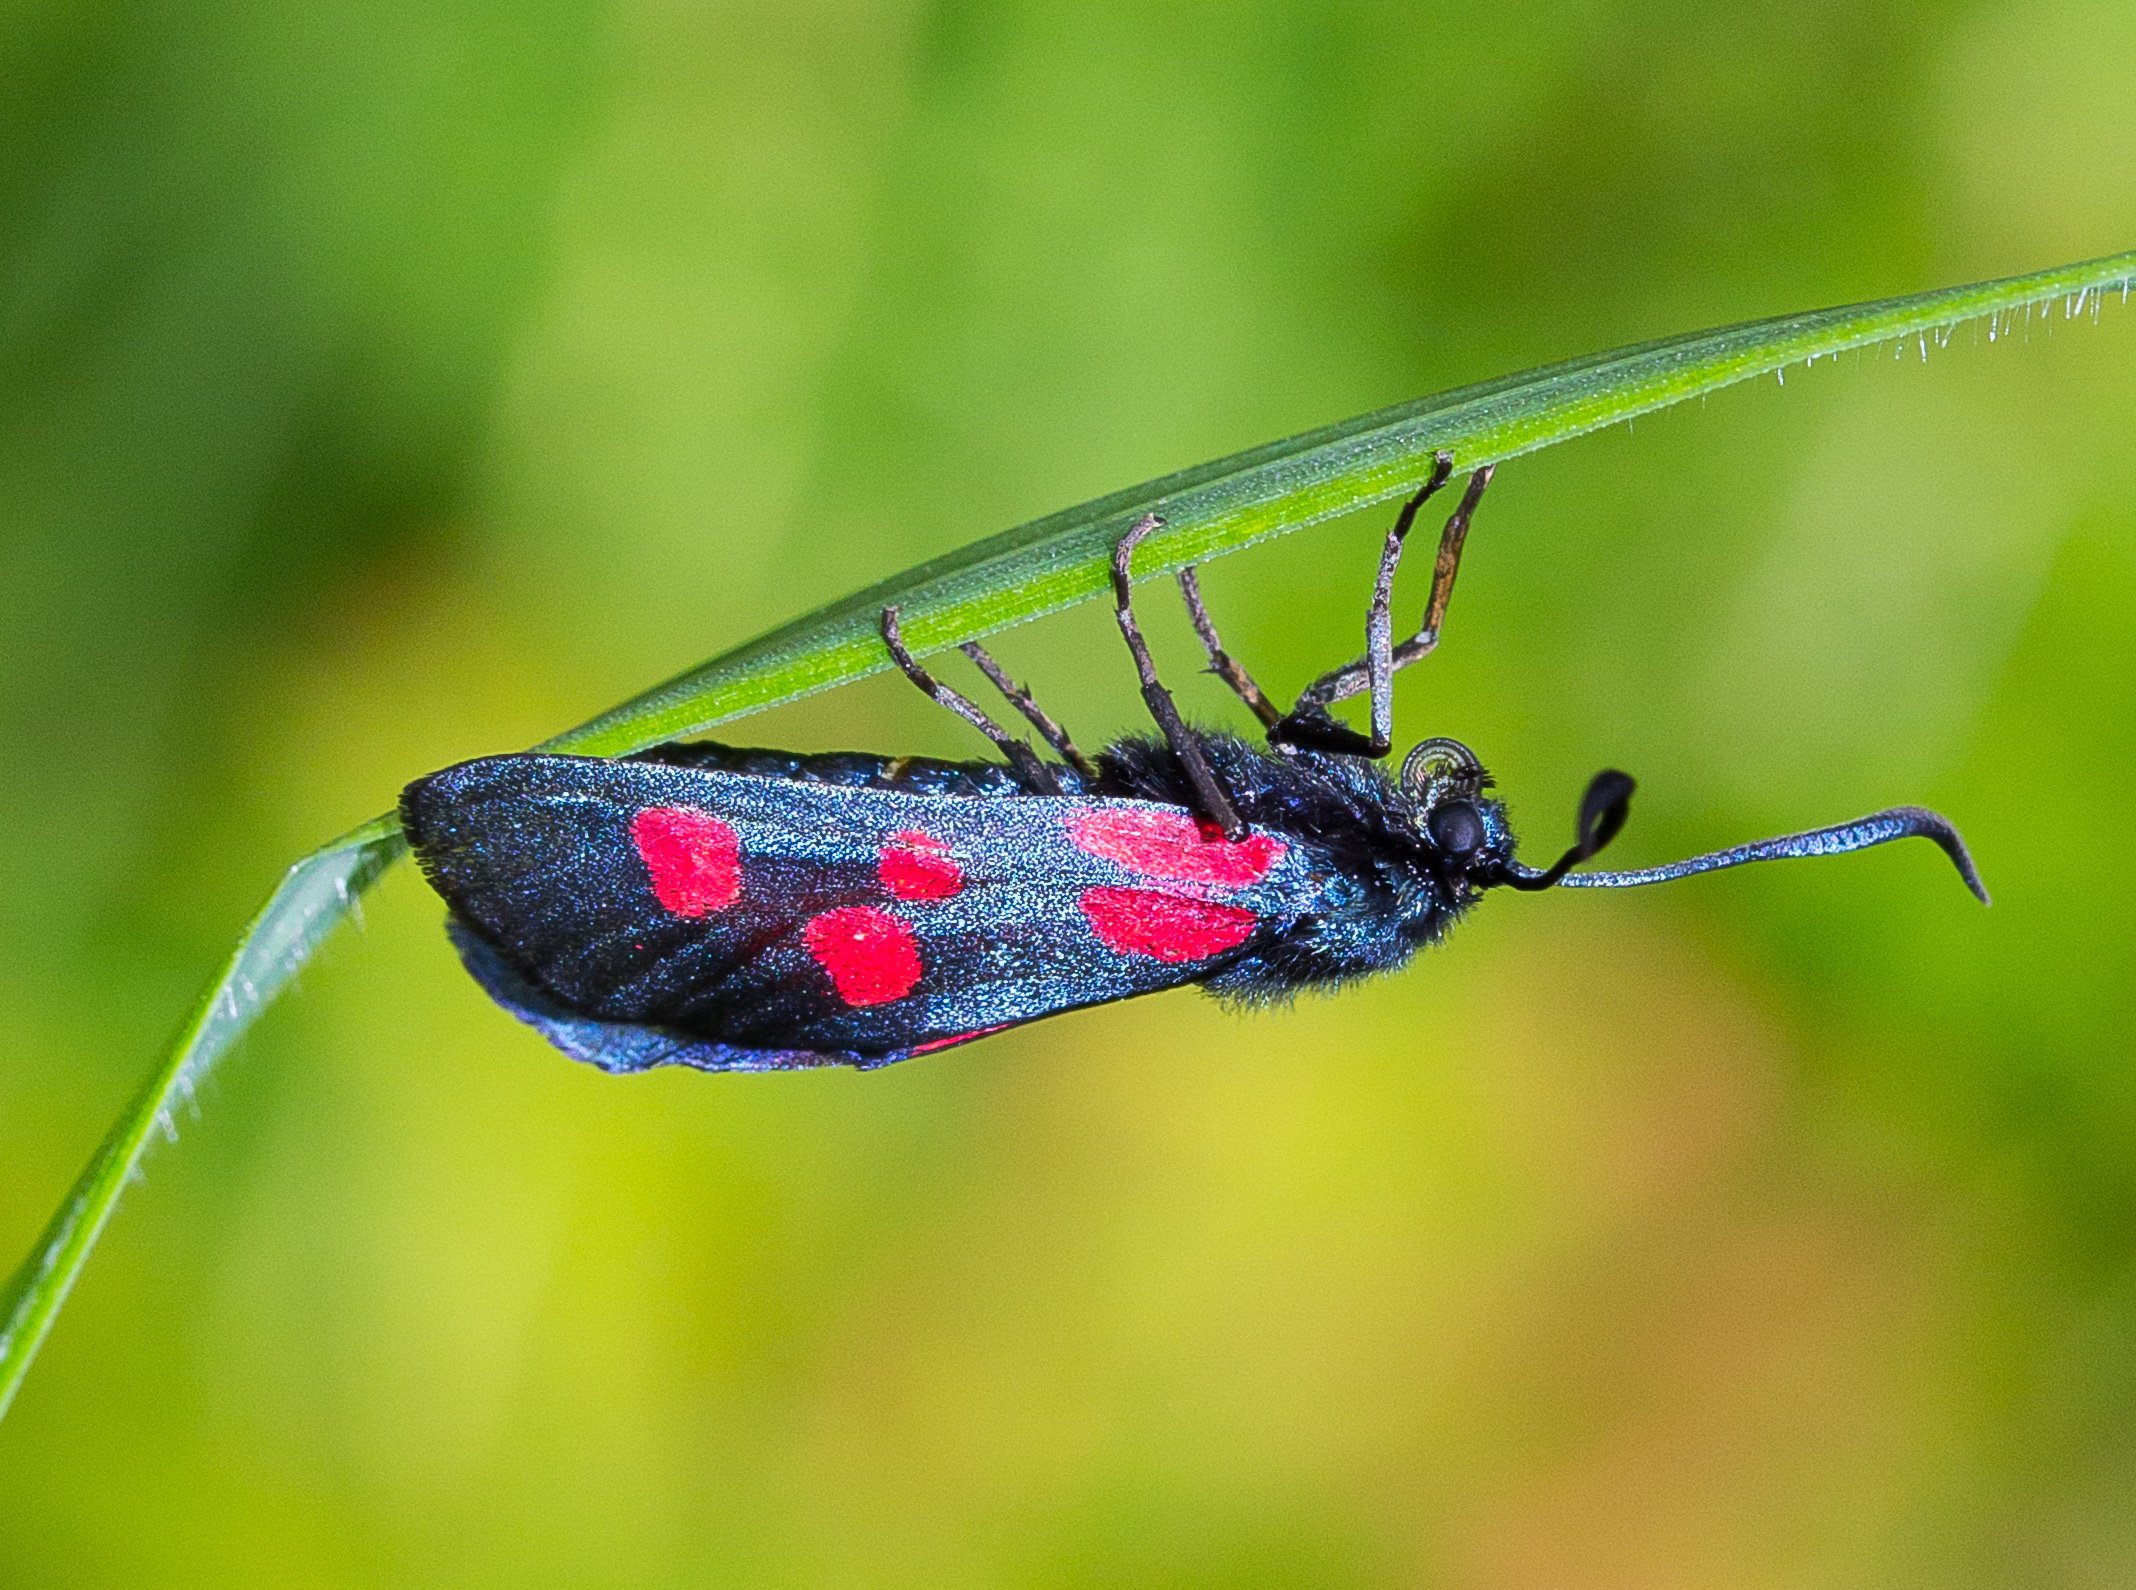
(1215, 508)
(310, 902)
(1022, 573)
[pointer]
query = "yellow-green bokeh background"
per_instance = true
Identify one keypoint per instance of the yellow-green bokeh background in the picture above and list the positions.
(386, 383)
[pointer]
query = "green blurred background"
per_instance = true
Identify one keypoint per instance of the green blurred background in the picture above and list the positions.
(387, 383)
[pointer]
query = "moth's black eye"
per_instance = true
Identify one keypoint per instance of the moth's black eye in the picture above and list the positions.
(1456, 827)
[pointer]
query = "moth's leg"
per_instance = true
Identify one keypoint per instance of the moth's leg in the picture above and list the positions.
(1309, 722)
(1222, 663)
(1037, 777)
(1186, 746)
(1020, 697)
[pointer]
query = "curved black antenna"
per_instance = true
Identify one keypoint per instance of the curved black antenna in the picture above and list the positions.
(1879, 828)
(1603, 809)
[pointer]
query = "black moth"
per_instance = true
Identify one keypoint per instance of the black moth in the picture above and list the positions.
(746, 910)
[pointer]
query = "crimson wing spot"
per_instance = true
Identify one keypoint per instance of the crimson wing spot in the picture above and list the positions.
(871, 956)
(1165, 927)
(693, 859)
(1176, 846)
(956, 1038)
(916, 866)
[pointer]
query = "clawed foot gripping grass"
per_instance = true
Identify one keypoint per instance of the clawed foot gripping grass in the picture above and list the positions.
(1033, 569)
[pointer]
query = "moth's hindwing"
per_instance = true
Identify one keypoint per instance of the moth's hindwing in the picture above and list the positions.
(736, 921)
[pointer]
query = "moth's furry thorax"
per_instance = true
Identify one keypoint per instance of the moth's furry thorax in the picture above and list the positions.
(1390, 888)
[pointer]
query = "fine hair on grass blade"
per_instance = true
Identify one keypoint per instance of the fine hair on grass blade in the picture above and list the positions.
(1020, 574)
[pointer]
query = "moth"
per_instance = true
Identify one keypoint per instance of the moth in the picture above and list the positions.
(731, 909)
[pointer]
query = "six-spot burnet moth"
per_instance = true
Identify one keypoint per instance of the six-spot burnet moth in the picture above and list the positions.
(749, 910)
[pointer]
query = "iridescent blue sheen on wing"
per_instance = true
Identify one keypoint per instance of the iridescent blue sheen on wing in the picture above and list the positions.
(621, 1047)
(561, 920)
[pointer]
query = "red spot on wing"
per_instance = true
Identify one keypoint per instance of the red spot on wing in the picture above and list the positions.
(871, 955)
(956, 1038)
(1165, 927)
(1177, 846)
(693, 858)
(916, 866)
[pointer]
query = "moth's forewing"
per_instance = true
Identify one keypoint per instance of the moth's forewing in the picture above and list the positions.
(780, 919)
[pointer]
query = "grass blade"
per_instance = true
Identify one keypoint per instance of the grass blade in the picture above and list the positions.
(1034, 569)
(1219, 507)
(310, 902)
